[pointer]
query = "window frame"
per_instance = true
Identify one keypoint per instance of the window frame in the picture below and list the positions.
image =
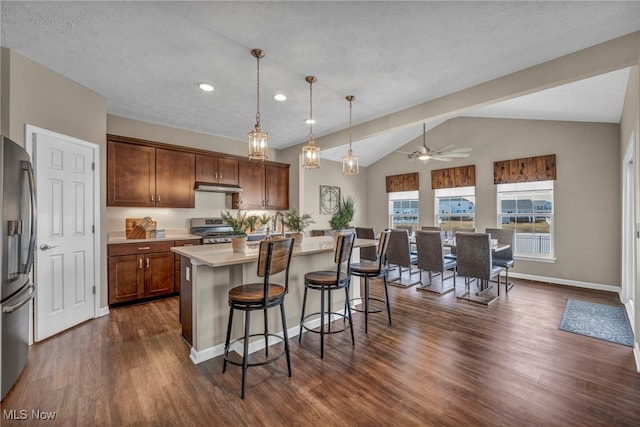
(455, 192)
(409, 196)
(532, 189)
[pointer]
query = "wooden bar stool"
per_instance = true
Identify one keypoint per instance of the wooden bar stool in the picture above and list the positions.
(326, 282)
(374, 270)
(274, 257)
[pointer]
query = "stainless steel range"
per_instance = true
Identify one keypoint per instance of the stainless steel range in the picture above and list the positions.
(212, 230)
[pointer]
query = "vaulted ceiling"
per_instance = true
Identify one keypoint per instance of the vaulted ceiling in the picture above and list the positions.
(147, 59)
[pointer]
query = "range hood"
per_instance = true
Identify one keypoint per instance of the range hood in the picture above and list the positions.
(217, 188)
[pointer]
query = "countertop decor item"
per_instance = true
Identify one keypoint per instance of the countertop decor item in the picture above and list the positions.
(139, 228)
(344, 215)
(297, 223)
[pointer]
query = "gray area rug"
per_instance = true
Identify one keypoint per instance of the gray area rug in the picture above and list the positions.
(602, 321)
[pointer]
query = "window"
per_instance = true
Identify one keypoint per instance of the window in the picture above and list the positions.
(528, 209)
(455, 208)
(403, 209)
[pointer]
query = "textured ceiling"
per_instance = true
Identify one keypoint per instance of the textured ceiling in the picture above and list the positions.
(146, 58)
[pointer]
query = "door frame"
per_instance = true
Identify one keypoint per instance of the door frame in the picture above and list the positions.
(628, 292)
(30, 131)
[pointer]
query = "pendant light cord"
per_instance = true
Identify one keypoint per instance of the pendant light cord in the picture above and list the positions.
(258, 92)
(311, 111)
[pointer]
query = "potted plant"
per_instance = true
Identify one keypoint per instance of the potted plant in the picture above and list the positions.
(297, 223)
(346, 209)
(341, 219)
(252, 222)
(239, 226)
(265, 220)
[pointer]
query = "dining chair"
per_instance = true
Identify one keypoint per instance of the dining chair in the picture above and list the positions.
(399, 254)
(327, 281)
(274, 257)
(474, 260)
(367, 252)
(430, 228)
(431, 259)
(409, 228)
(373, 269)
(504, 258)
(454, 230)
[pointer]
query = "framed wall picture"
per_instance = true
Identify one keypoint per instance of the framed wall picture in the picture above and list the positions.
(329, 199)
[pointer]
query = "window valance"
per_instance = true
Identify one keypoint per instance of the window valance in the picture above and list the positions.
(461, 176)
(527, 169)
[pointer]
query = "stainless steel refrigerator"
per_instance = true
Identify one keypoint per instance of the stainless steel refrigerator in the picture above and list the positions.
(18, 220)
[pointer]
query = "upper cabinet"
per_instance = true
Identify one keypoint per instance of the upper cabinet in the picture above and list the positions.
(264, 186)
(144, 173)
(144, 176)
(218, 170)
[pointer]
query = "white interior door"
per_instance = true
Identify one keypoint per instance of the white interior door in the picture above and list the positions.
(65, 261)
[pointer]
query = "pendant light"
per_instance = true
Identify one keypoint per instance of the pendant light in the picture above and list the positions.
(350, 162)
(310, 152)
(258, 140)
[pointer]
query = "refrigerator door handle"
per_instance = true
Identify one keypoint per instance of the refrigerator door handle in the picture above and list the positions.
(26, 166)
(12, 308)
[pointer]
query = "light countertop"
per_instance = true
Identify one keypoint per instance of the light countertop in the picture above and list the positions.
(121, 239)
(222, 254)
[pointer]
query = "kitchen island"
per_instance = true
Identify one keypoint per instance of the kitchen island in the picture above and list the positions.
(207, 273)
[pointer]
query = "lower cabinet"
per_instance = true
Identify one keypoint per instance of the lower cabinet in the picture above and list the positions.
(140, 270)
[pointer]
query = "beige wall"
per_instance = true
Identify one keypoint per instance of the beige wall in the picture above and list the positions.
(35, 95)
(305, 187)
(587, 190)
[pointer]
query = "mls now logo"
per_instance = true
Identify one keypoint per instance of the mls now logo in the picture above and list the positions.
(23, 414)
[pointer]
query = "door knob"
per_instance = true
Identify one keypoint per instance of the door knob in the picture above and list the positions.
(44, 247)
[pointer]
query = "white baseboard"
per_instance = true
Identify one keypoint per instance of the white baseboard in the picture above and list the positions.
(578, 284)
(103, 311)
(636, 354)
(218, 350)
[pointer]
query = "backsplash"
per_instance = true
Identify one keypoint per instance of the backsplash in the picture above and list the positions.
(207, 205)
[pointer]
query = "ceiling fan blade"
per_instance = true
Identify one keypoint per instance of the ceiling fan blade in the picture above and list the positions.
(441, 159)
(443, 149)
(451, 155)
(459, 150)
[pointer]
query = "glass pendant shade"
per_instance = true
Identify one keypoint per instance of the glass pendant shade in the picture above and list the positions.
(311, 155)
(258, 140)
(310, 152)
(258, 143)
(350, 162)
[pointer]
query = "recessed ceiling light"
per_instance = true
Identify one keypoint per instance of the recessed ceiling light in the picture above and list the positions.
(205, 87)
(280, 97)
(310, 122)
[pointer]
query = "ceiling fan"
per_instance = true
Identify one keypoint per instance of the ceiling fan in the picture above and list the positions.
(444, 154)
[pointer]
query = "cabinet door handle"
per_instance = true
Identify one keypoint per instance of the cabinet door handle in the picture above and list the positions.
(153, 198)
(220, 177)
(263, 204)
(140, 264)
(147, 263)
(144, 248)
(159, 199)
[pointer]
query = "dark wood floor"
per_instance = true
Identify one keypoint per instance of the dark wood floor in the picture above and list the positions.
(443, 362)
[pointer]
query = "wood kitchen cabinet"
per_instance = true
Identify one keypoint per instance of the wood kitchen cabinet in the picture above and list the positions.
(216, 170)
(140, 270)
(264, 186)
(144, 176)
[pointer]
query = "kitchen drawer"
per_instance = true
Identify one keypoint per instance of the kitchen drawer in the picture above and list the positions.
(139, 248)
